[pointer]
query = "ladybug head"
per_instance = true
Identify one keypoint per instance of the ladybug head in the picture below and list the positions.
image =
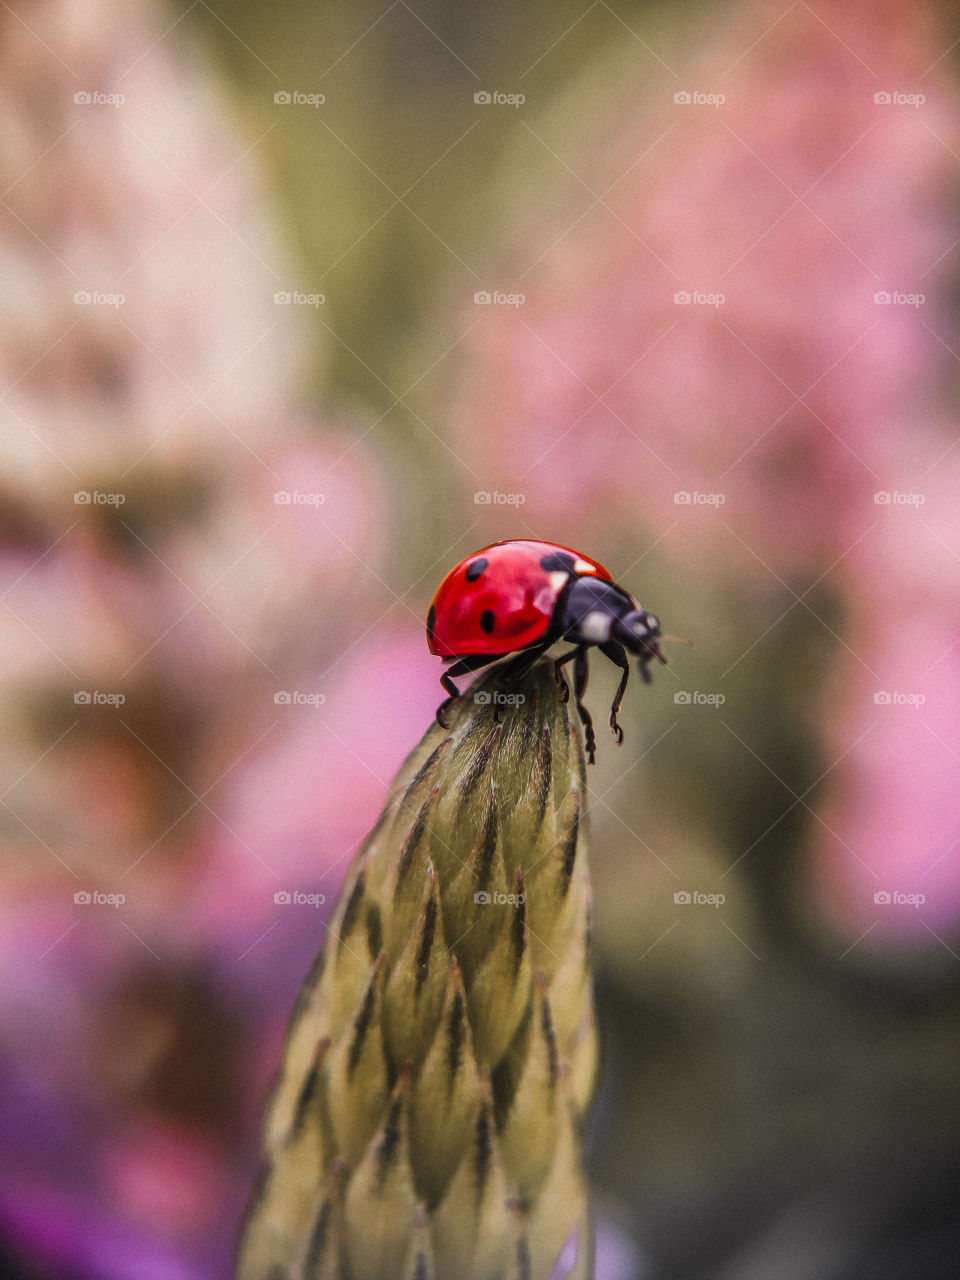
(639, 632)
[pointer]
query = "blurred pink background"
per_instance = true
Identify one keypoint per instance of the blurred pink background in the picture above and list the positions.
(732, 377)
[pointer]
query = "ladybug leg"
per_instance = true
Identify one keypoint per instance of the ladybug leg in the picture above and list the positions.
(521, 664)
(580, 672)
(615, 651)
(445, 705)
(513, 671)
(461, 668)
(558, 673)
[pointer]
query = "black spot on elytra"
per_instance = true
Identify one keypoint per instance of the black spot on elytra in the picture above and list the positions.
(487, 621)
(557, 562)
(431, 621)
(476, 567)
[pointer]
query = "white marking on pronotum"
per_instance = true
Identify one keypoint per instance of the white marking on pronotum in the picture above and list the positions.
(583, 566)
(558, 580)
(595, 627)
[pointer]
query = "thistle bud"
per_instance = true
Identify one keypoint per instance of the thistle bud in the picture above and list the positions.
(441, 1057)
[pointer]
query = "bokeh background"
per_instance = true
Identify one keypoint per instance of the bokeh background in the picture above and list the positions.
(679, 287)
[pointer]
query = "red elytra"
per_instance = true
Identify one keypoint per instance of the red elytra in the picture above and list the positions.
(517, 587)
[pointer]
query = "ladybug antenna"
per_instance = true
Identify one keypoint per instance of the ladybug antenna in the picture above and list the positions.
(677, 640)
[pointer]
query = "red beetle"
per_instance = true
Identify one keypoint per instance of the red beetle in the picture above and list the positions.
(523, 596)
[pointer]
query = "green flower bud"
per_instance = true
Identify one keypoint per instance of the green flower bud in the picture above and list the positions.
(441, 1057)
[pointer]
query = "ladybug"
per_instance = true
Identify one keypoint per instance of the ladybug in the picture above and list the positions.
(521, 597)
